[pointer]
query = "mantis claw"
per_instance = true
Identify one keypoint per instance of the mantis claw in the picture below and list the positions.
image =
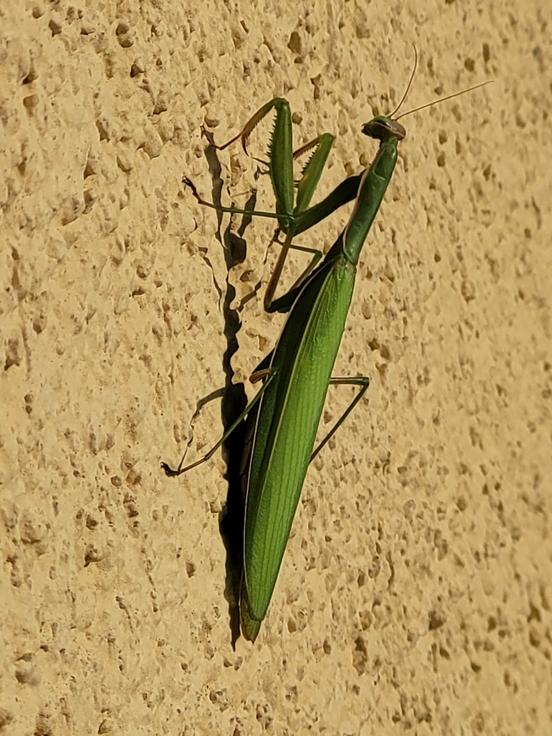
(170, 472)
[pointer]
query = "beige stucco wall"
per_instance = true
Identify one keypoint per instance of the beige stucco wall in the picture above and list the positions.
(415, 594)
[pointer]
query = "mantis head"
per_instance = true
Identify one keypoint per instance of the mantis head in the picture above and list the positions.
(383, 128)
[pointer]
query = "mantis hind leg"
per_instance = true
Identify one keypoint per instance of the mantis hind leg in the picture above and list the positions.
(264, 374)
(363, 382)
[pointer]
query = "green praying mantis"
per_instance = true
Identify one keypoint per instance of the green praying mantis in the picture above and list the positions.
(284, 415)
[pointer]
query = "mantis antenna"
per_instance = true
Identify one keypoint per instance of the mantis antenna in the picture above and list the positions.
(442, 99)
(407, 90)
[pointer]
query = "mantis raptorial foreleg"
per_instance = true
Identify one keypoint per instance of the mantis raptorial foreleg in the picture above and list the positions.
(292, 210)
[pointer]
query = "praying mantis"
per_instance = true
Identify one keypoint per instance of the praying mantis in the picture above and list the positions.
(284, 415)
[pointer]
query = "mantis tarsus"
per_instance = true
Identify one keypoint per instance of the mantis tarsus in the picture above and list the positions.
(285, 414)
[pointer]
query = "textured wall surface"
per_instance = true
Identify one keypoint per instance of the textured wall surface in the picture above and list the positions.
(415, 594)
